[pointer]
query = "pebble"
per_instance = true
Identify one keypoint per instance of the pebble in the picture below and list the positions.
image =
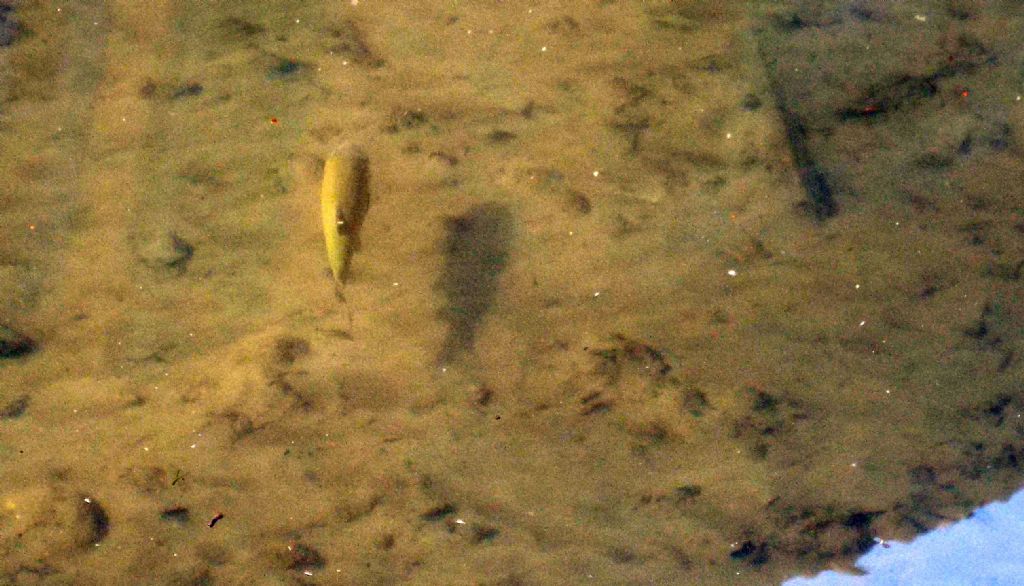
(166, 250)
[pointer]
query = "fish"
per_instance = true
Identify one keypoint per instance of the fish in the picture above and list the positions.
(344, 202)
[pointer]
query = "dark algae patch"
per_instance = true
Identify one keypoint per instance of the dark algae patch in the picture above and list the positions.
(9, 28)
(14, 343)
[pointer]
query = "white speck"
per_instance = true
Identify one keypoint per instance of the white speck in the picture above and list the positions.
(145, 449)
(296, 21)
(596, 293)
(460, 521)
(854, 465)
(857, 286)
(87, 499)
(888, 392)
(193, 446)
(570, 232)
(731, 272)
(543, 49)
(395, 284)
(728, 135)
(862, 323)
(308, 573)
(596, 173)
(920, 17)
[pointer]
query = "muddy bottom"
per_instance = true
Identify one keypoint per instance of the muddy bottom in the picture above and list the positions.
(666, 292)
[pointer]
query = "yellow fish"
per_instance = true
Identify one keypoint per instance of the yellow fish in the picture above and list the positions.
(344, 201)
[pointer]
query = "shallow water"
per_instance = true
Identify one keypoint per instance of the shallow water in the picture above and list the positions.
(649, 292)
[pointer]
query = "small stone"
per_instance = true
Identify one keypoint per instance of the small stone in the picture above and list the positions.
(687, 493)
(386, 541)
(176, 514)
(148, 89)
(755, 554)
(284, 68)
(288, 349)
(303, 557)
(482, 396)
(439, 512)
(166, 250)
(483, 533)
(191, 89)
(93, 522)
(499, 135)
(751, 102)
(580, 202)
(241, 425)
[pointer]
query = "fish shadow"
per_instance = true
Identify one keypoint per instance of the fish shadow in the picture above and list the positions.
(476, 250)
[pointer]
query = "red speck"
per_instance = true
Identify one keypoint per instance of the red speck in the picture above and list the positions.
(274, 121)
